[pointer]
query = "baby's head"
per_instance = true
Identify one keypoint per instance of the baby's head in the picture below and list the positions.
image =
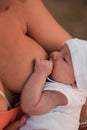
(70, 63)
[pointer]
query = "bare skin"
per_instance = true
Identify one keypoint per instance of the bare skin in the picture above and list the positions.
(17, 124)
(17, 50)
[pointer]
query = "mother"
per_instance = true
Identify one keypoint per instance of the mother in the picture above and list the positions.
(27, 31)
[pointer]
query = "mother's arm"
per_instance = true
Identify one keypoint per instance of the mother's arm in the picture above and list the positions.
(84, 113)
(17, 124)
(43, 27)
(84, 117)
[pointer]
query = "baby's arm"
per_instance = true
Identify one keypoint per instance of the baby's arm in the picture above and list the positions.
(36, 101)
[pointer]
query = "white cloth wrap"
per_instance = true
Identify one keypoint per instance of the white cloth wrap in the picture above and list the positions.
(78, 50)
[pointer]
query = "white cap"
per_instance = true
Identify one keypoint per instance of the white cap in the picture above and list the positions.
(78, 50)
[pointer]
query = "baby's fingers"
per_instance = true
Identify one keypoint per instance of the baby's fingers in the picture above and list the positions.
(51, 63)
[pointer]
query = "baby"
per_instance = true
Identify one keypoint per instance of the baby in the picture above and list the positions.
(67, 82)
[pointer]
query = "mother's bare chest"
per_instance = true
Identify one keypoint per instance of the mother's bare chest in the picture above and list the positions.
(12, 54)
(11, 28)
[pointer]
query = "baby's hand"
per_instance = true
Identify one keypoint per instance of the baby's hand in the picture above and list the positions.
(43, 67)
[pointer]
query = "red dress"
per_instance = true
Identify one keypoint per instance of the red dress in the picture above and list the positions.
(9, 116)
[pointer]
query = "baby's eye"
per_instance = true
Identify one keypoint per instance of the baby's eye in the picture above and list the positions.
(64, 59)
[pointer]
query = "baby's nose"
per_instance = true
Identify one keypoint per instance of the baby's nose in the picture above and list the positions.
(54, 55)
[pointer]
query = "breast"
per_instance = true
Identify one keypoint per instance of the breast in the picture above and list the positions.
(17, 54)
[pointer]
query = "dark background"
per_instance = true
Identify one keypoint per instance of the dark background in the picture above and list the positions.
(71, 14)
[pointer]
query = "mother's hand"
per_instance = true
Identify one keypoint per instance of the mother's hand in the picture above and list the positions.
(83, 127)
(83, 117)
(17, 124)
